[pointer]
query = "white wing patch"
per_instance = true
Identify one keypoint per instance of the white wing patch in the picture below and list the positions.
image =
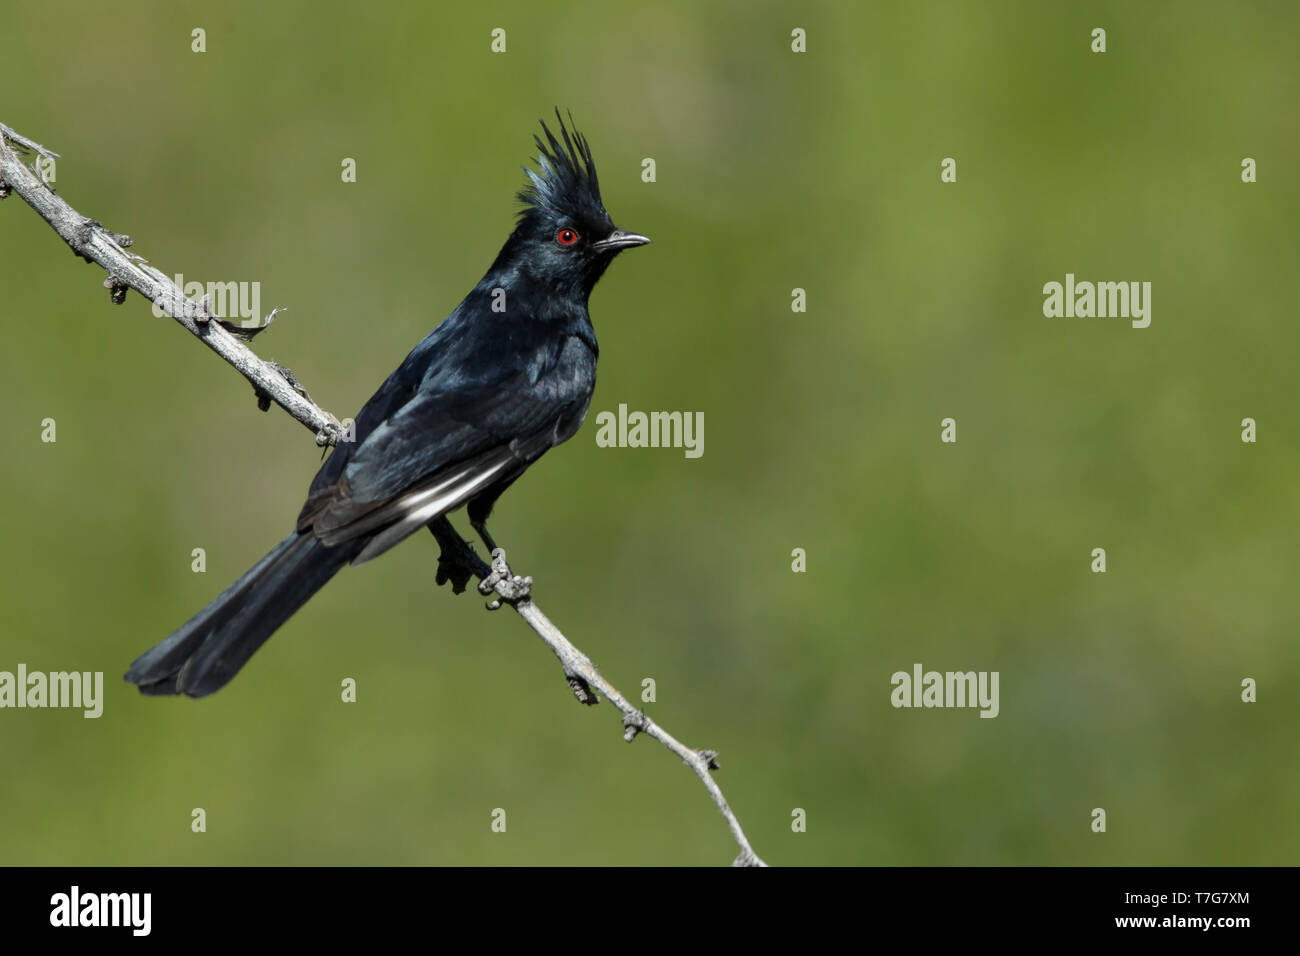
(417, 508)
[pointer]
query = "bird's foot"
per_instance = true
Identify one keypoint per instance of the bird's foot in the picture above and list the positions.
(452, 568)
(457, 561)
(508, 586)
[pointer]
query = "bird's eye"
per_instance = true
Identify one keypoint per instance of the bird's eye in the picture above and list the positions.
(566, 237)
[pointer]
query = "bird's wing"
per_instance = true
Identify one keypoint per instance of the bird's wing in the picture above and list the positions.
(434, 453)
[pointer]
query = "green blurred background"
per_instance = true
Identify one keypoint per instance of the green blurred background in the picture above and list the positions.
(774, 170)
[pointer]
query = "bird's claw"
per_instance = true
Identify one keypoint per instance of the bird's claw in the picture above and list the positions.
(508, 586)
(450, 569)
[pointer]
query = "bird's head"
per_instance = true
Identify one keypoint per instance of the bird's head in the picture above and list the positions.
(564, 235)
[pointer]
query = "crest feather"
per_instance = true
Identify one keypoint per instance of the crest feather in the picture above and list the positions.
(566, 187)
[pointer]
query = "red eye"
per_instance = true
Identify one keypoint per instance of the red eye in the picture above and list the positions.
(566, 237)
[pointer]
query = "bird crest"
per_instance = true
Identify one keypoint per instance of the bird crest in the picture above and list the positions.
(566, 188)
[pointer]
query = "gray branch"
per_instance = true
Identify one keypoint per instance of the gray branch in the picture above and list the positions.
(94, 243)
(90, 240)
(585, 681)
(577, 664)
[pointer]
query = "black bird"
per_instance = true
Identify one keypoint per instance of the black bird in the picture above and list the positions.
(506, 376)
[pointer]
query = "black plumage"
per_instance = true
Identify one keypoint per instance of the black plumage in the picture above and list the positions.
(507, 376)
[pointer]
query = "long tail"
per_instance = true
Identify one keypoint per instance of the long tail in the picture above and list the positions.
(205, 652)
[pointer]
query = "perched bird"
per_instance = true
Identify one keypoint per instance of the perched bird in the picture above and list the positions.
(508, 375)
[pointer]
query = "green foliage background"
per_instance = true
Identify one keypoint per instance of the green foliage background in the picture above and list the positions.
(775, 171)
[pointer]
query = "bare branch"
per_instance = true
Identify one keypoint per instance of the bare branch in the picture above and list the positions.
(272, 382)
(585, 681)
(577, 664)
(90, 240)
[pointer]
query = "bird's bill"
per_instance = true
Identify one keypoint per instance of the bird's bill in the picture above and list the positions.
(618, 239)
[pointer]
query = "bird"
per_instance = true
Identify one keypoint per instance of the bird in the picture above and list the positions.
(508, 375)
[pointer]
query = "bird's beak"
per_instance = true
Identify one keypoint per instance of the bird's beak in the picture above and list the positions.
(618, 239)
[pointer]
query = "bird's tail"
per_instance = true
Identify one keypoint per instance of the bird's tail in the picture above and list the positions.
(205, 652)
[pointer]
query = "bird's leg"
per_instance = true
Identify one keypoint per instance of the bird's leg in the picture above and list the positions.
(480, 527)
(516, 588)
(458, 561)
